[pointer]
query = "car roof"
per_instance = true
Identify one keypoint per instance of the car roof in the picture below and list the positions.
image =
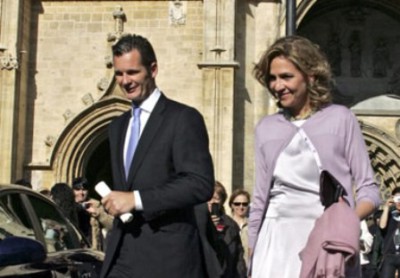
(21, 188)
(13, 186)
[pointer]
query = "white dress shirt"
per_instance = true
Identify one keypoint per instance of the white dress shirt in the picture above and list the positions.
(366, 240)
(147, 106)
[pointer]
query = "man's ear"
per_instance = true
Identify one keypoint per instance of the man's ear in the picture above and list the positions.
(154, 69)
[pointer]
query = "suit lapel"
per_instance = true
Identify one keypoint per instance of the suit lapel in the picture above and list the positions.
(152, 126)
(120, 133)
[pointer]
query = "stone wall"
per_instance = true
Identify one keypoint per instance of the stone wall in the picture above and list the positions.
(72, 46)
(56, 103)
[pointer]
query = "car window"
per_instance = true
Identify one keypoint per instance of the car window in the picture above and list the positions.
(58, 233)
(14, 220)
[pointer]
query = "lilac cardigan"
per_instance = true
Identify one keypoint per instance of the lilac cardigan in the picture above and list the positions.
(335, 133)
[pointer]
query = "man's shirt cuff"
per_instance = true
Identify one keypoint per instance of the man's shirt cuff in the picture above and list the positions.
(138, 200)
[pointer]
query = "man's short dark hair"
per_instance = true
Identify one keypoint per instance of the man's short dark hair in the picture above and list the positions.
(131, 41)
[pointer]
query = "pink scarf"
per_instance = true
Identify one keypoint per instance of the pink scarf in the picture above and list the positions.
(332, 244)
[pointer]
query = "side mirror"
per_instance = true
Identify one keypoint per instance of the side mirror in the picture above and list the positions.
(20, 250)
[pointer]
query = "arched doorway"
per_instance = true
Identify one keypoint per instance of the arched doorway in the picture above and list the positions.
(83, 146)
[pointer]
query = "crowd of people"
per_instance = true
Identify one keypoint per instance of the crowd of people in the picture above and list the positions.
(87, 214)
(380, 240)
(284, 228)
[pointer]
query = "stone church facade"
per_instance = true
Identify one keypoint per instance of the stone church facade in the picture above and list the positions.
(58, 93)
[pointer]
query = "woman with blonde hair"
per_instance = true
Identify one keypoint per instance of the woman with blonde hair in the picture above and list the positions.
(307, 135)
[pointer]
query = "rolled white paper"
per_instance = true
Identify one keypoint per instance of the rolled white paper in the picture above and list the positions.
(103, 190)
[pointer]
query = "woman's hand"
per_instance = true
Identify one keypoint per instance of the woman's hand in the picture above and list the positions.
(92, 207)
(215, 219)
(389, 202)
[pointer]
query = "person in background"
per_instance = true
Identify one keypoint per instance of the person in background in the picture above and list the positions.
(94, 221)
(44, 191)
(161, 167)
(210, 242)
(308, 134)
(390, 228)
(366, 241)
(239, 203)
(24, 182)
(100, 222)
(230, 249)
(80, 188)
(63, 196)
(375, 256)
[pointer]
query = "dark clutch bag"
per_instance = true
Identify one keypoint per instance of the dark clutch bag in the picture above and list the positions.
(330, 189)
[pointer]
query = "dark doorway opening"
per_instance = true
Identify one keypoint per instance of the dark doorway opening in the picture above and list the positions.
(99, 168)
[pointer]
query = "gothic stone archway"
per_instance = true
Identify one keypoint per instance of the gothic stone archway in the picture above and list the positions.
(385, 158)
(83, 137)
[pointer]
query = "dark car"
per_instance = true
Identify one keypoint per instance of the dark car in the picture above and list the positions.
(36, 240)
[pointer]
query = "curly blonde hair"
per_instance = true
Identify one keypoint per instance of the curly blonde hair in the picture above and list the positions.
(308, 58)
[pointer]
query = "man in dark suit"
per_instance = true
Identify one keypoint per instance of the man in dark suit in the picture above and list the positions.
(171, 172)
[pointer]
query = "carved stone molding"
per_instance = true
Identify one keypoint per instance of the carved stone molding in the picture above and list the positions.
(177, 12)
(103, 84)
(120, 18)
(108, 61)
(7, 61)
(384, 152)
(49, 141)
(88, 99)
(68, 114)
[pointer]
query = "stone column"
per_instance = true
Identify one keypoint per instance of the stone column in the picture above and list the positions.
(9, 20)
(258, 24)
(218, 69)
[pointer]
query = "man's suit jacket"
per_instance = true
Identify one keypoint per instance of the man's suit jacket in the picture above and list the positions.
(172, 170)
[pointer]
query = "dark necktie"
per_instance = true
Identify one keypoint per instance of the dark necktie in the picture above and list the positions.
(133, 140)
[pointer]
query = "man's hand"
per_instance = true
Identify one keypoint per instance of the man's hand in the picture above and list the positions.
(119, 202)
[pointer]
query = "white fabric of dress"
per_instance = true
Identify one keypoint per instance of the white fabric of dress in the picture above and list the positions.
(293, 208)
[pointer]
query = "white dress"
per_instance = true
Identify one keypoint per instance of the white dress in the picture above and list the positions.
(294, 206)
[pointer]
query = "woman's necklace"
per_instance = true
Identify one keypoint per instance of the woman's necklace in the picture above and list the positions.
(304, 116)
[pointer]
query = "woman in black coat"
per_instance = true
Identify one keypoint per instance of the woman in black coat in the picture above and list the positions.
(229, 245)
